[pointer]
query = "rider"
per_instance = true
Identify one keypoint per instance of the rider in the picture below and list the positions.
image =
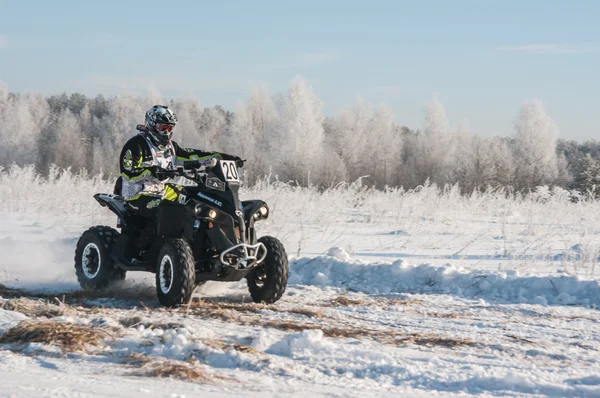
(150, 151)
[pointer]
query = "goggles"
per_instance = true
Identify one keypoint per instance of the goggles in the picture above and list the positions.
(162, 127)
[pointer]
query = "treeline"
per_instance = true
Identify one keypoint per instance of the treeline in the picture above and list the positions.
(286, 136)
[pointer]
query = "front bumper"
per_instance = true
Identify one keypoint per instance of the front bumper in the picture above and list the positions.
(243, 255)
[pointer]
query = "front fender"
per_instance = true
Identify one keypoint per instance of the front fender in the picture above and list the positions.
(250, 207)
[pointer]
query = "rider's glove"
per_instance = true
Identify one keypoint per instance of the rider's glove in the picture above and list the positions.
(160, 173)
(239, 162)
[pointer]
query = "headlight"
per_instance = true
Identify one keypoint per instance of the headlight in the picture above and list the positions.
(262, 213)
(201, 212)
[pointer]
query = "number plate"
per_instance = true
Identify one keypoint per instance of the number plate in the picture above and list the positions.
(230, 171)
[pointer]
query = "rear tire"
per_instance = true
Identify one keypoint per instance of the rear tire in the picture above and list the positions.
(175, 273)
(94, 266)
(267, 282)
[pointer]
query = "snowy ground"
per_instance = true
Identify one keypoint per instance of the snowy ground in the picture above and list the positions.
(415, 294)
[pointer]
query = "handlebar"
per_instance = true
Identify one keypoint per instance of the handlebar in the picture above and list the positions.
(190, 169)
(164, 174)
(195, 164)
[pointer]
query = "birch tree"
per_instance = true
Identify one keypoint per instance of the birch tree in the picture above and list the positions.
(535, 146)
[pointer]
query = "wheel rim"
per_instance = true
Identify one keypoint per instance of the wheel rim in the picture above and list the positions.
(165, 274)
(260, 277)
(91, 260)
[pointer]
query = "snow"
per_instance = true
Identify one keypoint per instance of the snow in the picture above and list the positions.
(8, 319)
(390, 294)
(400, 277)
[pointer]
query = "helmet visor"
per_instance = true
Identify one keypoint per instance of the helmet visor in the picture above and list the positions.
(165, 128)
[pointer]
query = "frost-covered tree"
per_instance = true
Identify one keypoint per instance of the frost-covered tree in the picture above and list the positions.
(213, 124)
(125, 112)
(286, 135)
(588, 180)
(503, 161)
(381, 146)
(435, 145)
(69, 144)
(301, 128)
(263, 115)
(535, 147)
(253, 124)
(21, 119)
(347, 136)
(478, 162)
(189, 112)
(154, 97)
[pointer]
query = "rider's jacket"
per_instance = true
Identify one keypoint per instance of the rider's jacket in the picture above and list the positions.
(141, 158)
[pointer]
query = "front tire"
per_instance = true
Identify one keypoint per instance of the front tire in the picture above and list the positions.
(94, 266)
(267, 282)
(175, 273)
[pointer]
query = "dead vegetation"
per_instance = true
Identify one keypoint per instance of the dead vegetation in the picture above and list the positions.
(245, 314)
(225, 346)
(448, 315)
(308, 312)
(430, 341)
(79, 297)
(345, 301)
(135, 321)
(191, 370)
(36, 308)
(68, 336)
(251, 314)
(383, 336)
(253, 308)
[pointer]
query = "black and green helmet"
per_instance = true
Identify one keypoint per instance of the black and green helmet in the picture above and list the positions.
(160, 123)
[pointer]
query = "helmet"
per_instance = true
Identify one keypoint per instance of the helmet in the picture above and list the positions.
(160, 123)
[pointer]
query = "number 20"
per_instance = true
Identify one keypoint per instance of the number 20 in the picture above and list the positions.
(230, 171)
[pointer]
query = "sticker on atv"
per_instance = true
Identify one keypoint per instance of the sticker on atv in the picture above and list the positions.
(230, 171)
(215, 183)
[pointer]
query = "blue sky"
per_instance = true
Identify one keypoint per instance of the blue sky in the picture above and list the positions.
(482, 58)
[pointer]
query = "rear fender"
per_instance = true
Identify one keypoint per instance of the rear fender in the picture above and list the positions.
(115, 203)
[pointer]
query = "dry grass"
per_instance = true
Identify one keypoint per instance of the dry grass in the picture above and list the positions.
(249, 314)
(191, 370)
(250, 308)
(121, 291)
(430, 341)
(449, 315)
(386, 336)
(308, 312)
(136, 321)
(246, 349)
(521, 339)
(180, 371)
(36, 308)
(345, 301)
(224, 305)
(224, 345)
(68, 336)
(8, 292)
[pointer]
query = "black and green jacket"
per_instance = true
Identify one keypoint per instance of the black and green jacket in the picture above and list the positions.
(140, 158)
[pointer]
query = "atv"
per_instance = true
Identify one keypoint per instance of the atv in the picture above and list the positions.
(207, 234)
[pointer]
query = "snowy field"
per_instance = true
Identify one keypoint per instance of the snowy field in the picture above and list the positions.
(415, 293)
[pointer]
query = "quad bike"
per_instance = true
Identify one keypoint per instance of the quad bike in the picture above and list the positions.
(208, 234)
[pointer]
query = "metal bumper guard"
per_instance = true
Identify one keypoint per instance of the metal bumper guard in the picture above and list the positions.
(256, 253)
